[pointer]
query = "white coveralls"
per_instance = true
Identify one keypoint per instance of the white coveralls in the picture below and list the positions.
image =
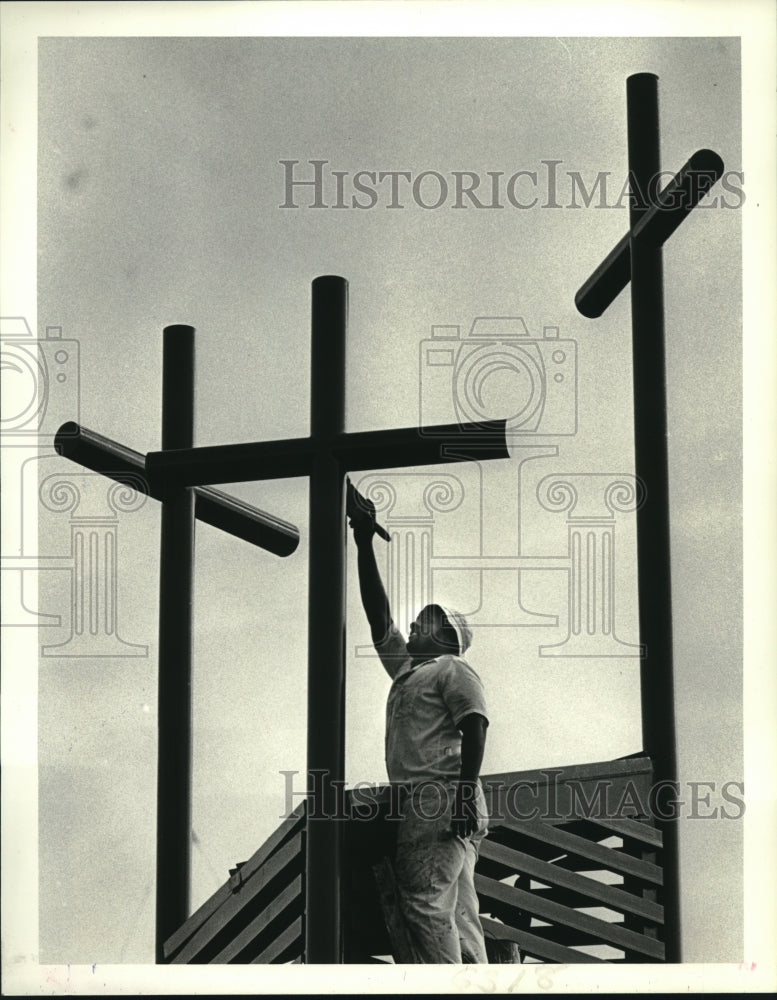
(434, 868)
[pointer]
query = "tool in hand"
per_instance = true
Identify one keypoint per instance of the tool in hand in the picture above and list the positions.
(356, 504)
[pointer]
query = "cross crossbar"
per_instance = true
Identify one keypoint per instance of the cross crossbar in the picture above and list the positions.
(235, 517)
(356, 451)
(656, 224)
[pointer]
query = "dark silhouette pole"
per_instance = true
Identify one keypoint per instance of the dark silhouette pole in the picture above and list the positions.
(652, 466)
(176, 572)
(637, 258)
(326, 622)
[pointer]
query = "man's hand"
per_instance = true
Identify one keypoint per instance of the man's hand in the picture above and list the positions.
(363, 526)
(465, 815)
(361, 514)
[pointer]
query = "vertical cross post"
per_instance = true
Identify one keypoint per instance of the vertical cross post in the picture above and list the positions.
(174, 767)
(326, 622)
(652, 466)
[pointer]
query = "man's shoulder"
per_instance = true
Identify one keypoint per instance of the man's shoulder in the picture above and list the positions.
(393, 652)
(452, 664)
(460, 687)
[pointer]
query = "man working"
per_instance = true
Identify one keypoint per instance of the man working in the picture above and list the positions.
(436, 725)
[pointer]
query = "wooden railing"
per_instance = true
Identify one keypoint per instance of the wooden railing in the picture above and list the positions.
(576, 905)
(570, 872)
(257, 916)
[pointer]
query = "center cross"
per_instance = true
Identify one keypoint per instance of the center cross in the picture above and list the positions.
(325, 456)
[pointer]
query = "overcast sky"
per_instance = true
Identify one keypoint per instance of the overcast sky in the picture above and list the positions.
(160, 194)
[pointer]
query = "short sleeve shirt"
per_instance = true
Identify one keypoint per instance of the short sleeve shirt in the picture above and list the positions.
(425, 705)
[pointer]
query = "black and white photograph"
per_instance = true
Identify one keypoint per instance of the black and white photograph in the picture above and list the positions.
(388, 487)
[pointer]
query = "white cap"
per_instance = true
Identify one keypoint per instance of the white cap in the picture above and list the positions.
(459, 624)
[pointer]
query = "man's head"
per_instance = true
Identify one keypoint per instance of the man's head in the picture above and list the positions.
(438, 630)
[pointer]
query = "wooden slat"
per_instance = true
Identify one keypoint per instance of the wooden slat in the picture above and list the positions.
(290, 894)
(198, 918)
(285, 940)
(570, 843)
(568, 935)
(547, 852)
(609, 895)
(284, 831)
(620, 767)
(571, 863)
(585, 828)
(527, 790)
(236, 901)
(535, 946)
(572, 899)
(554, 912)
(642, 832)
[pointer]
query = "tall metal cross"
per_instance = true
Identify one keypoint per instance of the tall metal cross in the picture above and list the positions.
(326, 455)
(637, 258)
(180, 508)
